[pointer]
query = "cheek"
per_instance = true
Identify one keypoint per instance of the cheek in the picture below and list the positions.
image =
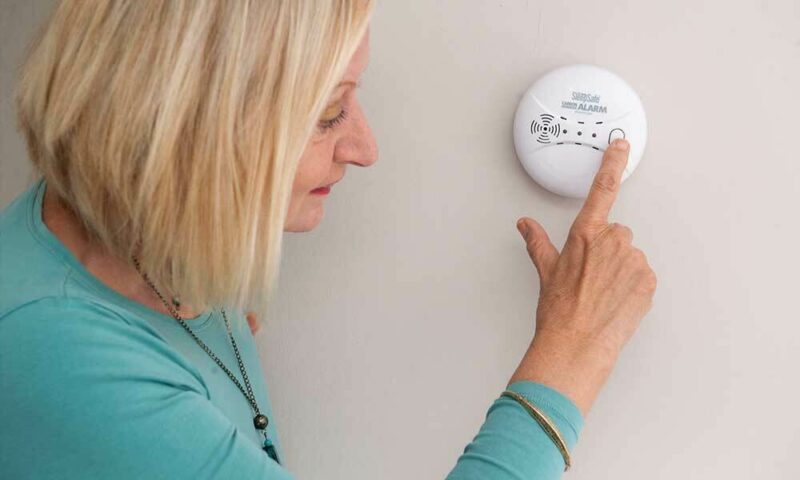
(312, 171)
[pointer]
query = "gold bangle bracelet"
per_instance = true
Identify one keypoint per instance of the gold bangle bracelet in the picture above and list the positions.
(547, 425)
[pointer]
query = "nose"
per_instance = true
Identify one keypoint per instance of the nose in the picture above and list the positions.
(357, 145)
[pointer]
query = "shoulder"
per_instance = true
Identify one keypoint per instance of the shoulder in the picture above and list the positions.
(87, 394)
(49, 318)
(29, 268)
(59, 343)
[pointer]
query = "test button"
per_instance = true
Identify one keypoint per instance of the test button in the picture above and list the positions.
(615, 134)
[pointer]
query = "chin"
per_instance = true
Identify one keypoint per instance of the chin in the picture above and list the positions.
(305, 222)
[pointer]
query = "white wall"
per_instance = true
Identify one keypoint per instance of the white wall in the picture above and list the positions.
(401, 318)
(18, 20)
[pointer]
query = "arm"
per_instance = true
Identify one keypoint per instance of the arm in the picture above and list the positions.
(511, 445)
(593, 295)
(87, 395)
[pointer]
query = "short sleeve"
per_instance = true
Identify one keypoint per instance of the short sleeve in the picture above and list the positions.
(85, 394)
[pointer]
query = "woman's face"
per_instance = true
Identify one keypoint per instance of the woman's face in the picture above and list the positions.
(341, 137)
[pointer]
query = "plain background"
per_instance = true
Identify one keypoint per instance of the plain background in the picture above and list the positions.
(402, 316)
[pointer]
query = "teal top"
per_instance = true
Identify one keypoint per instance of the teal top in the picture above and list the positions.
(95, 385)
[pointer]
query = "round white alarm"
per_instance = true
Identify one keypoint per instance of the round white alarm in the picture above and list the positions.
(568, 118)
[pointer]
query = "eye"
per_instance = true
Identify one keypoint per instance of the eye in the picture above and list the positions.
(332, 117)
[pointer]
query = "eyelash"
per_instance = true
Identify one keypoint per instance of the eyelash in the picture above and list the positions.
(328, 124)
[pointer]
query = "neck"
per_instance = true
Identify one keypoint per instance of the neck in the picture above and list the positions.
(112, 271)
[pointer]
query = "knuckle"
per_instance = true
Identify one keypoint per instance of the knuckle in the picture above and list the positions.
(531, 247)
(648, 288)
(638, 261)
(652, 282)
(641, 257)
(648, 283)
(605, 182)
(579, 232)
(534, 247)
(621, 233)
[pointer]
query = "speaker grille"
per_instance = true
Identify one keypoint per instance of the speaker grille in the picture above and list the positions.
(545, 128)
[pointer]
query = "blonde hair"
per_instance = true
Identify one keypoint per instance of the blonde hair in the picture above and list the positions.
(173, 128)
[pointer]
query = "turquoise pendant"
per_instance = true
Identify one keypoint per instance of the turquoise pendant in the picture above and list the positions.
(269, 447)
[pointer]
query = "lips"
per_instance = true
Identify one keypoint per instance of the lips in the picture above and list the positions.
(326, 188)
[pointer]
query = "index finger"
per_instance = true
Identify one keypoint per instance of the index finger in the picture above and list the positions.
(606, 184)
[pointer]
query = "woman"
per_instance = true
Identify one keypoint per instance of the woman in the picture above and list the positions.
(176, 141)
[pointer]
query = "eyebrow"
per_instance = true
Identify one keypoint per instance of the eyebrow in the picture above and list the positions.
(352, 83)
(346, 83)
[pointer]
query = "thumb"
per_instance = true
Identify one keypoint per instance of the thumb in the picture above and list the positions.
(541, 250)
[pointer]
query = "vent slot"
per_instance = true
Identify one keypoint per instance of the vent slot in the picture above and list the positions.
(545, 128)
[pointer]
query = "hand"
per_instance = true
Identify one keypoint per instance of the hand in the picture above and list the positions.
(593, 294)
(253, 322)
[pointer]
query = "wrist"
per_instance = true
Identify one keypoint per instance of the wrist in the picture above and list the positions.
(575, 367)
(577, 345)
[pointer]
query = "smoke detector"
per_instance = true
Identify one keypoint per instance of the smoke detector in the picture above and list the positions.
(568, 118)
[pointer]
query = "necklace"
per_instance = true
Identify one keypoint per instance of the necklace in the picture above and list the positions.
(260, 421)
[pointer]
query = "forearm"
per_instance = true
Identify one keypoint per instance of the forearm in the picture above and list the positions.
(511, 445)
(575, 367)
(561, 374)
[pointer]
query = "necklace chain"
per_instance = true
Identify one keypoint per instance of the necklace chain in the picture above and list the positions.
(260, 421)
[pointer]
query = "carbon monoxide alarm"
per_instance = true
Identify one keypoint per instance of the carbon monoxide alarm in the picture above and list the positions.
(568, 118)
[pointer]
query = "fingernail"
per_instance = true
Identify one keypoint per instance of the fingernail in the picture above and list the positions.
(523, 228)
(621, 144)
